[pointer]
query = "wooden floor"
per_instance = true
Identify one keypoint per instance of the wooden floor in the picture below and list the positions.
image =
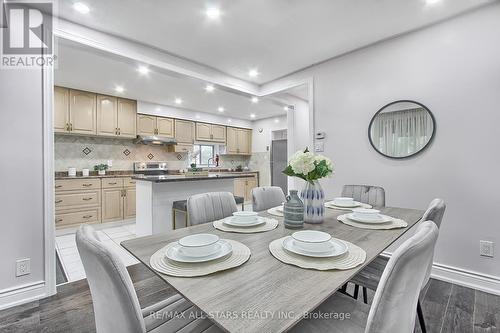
(446, 307)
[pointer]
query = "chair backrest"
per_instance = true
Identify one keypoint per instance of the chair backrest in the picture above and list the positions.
(372, 195)
(434, 213)
(266, 197)
(116, 306)
(209, 207)
(395, 301)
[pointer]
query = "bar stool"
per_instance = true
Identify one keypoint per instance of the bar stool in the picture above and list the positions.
(181, 206)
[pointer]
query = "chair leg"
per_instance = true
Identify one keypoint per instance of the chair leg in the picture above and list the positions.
(356, 291)
(173, 219)
(421, 317)
(343, 289)
(365, 295)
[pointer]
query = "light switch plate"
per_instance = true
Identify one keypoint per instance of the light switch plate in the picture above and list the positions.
(486, 248)
(23, 267)
(319, 147)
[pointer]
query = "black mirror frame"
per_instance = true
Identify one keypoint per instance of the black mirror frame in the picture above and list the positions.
(414, 154)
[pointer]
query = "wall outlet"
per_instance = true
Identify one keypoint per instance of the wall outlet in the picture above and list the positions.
(23, 267)
(486, 248)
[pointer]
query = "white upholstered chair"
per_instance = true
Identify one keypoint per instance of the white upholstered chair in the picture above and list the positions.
(395, 301)
(372, 195)
(116, 306)
(209, 207)
(370, 276)
(266, 197)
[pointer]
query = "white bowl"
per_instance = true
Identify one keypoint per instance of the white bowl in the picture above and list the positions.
(343, 201)
(366, 213)
(245, 216)
(311, 240)
(199, 244)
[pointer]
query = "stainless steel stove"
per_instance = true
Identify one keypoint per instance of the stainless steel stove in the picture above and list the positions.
(150, 168)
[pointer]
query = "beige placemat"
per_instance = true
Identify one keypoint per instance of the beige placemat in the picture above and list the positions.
(394, 224)
(330, 205)
(274, 211)
(160, 263)
(354, 257)
(269, 225)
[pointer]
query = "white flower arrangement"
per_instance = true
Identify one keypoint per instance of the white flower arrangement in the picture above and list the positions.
(308, 166)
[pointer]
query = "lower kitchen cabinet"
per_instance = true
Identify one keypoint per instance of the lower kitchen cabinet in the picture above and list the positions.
(112, 204)
(129, 203)
(90, 215)
(243, 187)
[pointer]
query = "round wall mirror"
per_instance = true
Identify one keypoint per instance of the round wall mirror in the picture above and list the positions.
(401, 129)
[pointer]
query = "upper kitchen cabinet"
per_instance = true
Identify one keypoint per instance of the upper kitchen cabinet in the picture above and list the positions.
(150, 125)
(126, 118)
(82, 112)
(165, 127)
(184, 131)
(210, 132)
(239, 141)
(116, 117)
(61, 110)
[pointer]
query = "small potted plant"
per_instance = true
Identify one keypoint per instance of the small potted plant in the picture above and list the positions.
(101, 169)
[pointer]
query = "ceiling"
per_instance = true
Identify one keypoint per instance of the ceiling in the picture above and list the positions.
(276, 37)
(89, 69)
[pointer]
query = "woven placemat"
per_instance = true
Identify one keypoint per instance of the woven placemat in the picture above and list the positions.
(394, 224)
(354, 257)
(159, 262)
(274, 211)
(330, 205)
(269, 225)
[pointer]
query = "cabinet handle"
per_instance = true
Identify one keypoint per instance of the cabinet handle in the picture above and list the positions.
(86, 185)
(70, 127)
(58, 186)
(112, 183)
(87, 199)
(59, 220)
(87, 216)
(58, 201)
(124, 193)
(119, 131)
(116, 131)
(67, 127)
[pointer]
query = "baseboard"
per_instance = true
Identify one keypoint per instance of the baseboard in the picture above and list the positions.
(474, 280)
(22, 294)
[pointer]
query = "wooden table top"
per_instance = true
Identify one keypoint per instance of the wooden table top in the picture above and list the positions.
(264, 294)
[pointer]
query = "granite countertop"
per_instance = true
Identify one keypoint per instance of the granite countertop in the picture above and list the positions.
(115, 174)
(183, 178)
(91, 176)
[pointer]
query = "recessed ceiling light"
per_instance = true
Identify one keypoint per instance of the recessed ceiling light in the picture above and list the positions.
(221, 109)
(144, 70)
(178, 101)
(209, 88)
(255, 99)
(213, 13)
(432, 2)
(252, 115)
(119, 89)
(229, 120)
(81, 8)
(286, 108)
(197, 116)
(253, 73)
(158, 108)
(276, 120)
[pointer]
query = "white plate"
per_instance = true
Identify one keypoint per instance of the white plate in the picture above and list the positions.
(246, 216)
(175, 253)
(234, 222)
(353, 205)
(337, 248)
(381, 219)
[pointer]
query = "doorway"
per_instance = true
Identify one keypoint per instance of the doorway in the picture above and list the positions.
(279, 161)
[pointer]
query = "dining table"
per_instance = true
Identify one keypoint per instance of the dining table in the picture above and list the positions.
(265, 294)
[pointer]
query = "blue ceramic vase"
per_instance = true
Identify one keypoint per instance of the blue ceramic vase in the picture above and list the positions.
(314, 202)
(293, 211)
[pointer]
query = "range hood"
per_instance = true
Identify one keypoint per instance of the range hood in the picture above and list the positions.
(154, 140)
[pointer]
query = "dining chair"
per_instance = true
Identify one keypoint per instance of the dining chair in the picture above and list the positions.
(209, 207)
(370, 276)
(266, 197)
(116, 306)
(369, 194)
(395, 300)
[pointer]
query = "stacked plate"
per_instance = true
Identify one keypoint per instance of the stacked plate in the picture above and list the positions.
(369, 216)
(345, 202)
(199, 248)
(315, 244)
(245, 219)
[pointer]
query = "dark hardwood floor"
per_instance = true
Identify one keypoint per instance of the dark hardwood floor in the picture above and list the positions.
(447, 307)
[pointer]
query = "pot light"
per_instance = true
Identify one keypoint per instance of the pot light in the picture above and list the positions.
(209, 88)
(252, 115)
(253, 73)
(432, 2)
(81, 8)
(229, 121)
(286, 108)
(221, 109)
(144, 70)
(178, 101)
(276, 120)
(197, 116)
(213, 13)
(119, 89)
(255, 99)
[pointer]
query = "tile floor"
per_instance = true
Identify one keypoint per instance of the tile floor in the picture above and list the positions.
(112, 236)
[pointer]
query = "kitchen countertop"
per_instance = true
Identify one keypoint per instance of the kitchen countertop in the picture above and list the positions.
(183, 178)
(64, 175)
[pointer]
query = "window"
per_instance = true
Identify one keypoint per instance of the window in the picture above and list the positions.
(202, 154)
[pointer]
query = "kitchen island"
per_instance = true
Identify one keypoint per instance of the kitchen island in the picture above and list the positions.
(156, 194)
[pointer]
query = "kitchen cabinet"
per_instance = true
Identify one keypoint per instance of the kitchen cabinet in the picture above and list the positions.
(126, 118)
(150, 125)
(82, 112)
(107, 115)
(239, 141)
(112, 204)
(118, 199)
(243, 187)
(129, 203)
(184, 131)
(61, 110)
(210, 132)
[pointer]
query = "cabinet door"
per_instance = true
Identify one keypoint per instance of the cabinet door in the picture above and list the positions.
(232, 140)
(244, 141)
(218, 133)
(240, 187)
(127, 116)
(112, 204)
(129, 203)
(82, 112)
(165, 127)
(184, 131)
(146, 125)
(107, 115)
(61, 110)
(203, 132)
(250, 184)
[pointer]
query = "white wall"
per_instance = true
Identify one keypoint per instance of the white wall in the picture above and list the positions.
(454, 69)
(261, 142)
